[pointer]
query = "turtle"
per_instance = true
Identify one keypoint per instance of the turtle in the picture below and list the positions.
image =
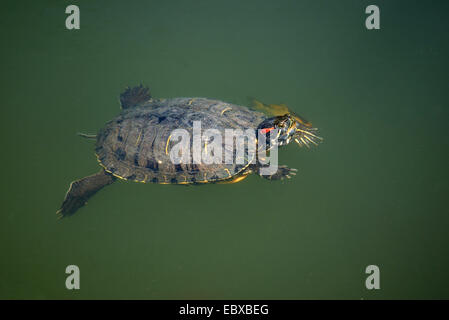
(136, 145)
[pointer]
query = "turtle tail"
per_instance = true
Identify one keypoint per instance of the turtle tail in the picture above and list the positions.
(81, 190)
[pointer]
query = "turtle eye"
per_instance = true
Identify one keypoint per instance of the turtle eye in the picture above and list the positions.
(280, 123)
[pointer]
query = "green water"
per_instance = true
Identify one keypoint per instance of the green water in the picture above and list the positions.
(374, 192)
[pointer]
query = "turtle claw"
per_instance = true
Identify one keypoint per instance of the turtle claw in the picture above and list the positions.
(74, 200)
(282, 173)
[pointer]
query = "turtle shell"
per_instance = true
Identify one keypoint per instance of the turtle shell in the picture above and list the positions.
(136, 144)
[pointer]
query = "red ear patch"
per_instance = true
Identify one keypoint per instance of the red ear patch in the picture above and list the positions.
(266, 130)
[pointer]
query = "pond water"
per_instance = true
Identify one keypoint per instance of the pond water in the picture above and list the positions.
(373, 193)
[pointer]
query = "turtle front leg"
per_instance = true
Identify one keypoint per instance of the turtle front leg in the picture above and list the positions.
(270, 109)
(283, 172)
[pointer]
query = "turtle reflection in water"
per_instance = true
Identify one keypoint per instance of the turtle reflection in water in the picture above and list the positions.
(134, 146)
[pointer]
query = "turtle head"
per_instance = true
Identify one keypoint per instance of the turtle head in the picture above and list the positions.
(281, 130)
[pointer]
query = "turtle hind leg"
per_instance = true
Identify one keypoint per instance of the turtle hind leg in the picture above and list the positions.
(132, 97)
(281, 173)
(81, 190)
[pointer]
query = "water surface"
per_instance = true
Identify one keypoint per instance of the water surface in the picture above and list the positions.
(375, 192)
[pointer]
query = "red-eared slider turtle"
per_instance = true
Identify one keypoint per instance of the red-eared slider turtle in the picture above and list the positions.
(136, 144)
